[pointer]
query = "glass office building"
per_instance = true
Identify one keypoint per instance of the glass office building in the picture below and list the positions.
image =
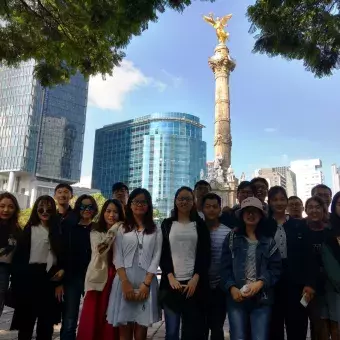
(41, 130)
(160, 152)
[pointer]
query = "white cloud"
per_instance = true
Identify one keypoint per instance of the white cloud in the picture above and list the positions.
(175, 80)
(85, 182)
(270, 130)
(109, 93)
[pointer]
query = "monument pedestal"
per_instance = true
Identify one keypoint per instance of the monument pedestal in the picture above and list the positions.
(227, 191)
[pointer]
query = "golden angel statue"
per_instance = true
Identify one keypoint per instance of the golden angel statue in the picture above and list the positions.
(219, 24)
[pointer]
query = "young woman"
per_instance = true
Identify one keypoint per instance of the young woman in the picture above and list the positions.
(9, 233)
(250, 267)
(76, 258)
(331, 263)
(99, 276)
(291, 237)
(317, 214)
(185, 265)
(133, 304)
(35, 273)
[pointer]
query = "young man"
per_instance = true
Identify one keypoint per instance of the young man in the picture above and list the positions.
(295, 207)
(201, 189)
(120, 191)
(216, 310)
(261, 187)
(324, 192)
(244, 190)
(74, 256)
(63, 194)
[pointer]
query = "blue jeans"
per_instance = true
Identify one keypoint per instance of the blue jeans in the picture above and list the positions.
(73, 290)
(240, 314)
(4, 282)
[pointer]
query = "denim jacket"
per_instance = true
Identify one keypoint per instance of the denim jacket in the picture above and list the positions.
(233, 262)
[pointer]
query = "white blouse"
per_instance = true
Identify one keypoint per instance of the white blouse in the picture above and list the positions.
(149, 247)
(40, 251)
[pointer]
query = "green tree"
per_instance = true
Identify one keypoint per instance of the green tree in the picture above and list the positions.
(307, 30)
(66, 36)
(24, 216)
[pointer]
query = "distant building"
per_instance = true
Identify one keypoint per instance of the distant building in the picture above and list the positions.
(161, 152)
(290, 177)
(335, 178)
(41, 132)
(273, 177)
(210, 169)
(308, 174)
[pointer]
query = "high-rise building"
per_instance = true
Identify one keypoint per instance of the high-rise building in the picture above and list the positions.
(290, 177)
(308, 174)
(41, 132)
(160, 152)
(335, 178)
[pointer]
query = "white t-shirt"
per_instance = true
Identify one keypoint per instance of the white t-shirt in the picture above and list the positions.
(40, 245)
(183, 244)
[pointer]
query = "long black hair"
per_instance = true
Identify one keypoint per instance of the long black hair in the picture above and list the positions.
(101, 225)
(193, 213)
(34, 219)
(77, 205)
(273, 191)
(148, 222)
(52, 223)
(12, 222)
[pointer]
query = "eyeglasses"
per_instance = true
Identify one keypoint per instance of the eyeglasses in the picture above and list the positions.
(88, 207)
(314, 207)
(121, 191)
(142, 203)
(185, 199)
(247, 193)
(47, 211)
(294, 205)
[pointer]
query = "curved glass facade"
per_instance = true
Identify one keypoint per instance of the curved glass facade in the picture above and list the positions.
(160, 152)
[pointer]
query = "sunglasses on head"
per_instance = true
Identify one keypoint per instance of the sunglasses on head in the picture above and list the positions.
(88, 207)
(47, 211)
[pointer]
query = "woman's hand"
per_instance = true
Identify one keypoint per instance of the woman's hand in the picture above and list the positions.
(253, 289)
(127, 289)
(102, 247)
(190, 288)
(59, 293)
(174, 284)
(236, 294)
(144, 292)
(58, 275)
(308, 292)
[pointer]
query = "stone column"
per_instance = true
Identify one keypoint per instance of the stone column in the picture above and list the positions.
(11, 181)
(222, 64)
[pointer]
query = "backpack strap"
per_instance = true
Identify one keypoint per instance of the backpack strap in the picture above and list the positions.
(273, 248)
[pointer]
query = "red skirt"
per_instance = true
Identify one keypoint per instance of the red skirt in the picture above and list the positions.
(92, 323)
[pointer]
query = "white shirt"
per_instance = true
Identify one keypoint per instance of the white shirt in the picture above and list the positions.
(183, 244)
(126, 244)
(40, 251)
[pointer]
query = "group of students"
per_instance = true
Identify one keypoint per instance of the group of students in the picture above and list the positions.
(261, 263)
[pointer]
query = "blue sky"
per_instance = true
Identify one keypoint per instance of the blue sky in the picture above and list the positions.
(279, 111)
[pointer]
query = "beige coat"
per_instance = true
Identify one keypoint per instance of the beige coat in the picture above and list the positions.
(97, 271)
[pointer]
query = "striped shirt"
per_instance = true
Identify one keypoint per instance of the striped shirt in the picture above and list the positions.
(217, 237)
(251, 261)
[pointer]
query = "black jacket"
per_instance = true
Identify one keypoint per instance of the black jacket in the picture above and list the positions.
(202, 262)
(75, 253)
(298, 268)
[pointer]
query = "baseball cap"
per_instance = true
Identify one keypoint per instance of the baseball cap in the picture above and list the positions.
(251, 202)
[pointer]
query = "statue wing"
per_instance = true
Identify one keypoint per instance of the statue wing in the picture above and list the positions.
(210, 20)
(225, 19)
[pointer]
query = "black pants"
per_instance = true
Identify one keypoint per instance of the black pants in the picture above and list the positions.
(190, 311)
(216, 313)
(288, 311)
(38, 304)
